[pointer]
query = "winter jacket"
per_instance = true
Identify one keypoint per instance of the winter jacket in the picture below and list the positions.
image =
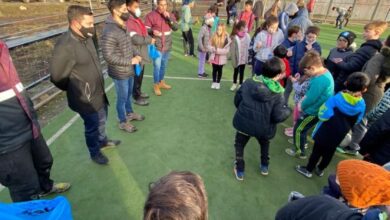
(139, 37)
(265, 52)
(258, 109)
(75, 68)
(283, 22)
(186, 18)
(319, 207)
(302, 20)
(249, 18)
(204, 39)
(375, 145)
(373, 69)
(336, 53)
(299, 51)
(219, 55)
(380, 109)
(290, 45)
(118, 50)
(238, 43)
(355, 62)
(337, 116)
(320, 89)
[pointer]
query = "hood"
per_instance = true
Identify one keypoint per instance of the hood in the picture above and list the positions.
(264, 94)
(377, 44)
(291, 9)
(349, 104)
(303, 13)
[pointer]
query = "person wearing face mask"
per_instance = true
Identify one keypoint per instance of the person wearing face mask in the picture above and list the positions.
(121, 56)
(141, 40)
(160, 24)
(284, 17)
(75, 68)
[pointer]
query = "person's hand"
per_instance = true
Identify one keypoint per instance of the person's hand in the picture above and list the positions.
(293, 79)
(300, 106)
(337, 60)
(166, 14)
(309, 46)
(157, 33)
(136, 60)
(153, 41)
(259, 45)
(289, 53)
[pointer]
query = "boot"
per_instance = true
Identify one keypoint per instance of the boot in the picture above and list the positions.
(163, 85)
(156, 89)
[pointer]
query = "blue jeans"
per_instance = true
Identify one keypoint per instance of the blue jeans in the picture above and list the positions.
(124, 91)
(95, 130)
(159, 66)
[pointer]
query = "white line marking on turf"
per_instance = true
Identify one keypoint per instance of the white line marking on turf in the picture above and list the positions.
(189, 78)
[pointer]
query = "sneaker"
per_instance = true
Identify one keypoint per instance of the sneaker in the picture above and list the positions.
(289, 133)
(135, 116)
(100, 159)
(239, 174)
(57, 188)
(234, 87)
(213, 85)
(110, 144)
(264, 170)
(291, 141)
(347, 150)
(186, 54)
(141, 102)
(302, 156)
(294, 195)
(144, 95)
(318, 172)
(302, 170)
(204, 75)
(218, 86)
(127, 127)
(292, 152)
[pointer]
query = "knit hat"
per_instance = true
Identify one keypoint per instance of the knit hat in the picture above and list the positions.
(291, 8)
(364, 184)
(348, 35)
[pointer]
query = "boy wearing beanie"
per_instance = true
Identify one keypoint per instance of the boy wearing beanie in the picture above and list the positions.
(337, 116)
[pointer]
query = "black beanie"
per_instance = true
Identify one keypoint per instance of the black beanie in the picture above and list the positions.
(348, 35)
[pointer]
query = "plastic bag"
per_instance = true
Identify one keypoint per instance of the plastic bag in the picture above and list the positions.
(153, 52)
(54, 209)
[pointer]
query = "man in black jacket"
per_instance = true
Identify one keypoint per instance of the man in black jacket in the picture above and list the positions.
(260, 107)
(122, 59)
(75, 68)
(25, 159)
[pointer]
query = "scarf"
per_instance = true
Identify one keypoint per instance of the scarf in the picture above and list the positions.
(271, 84)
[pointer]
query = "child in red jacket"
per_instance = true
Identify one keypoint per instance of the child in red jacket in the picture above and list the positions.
(281, 52)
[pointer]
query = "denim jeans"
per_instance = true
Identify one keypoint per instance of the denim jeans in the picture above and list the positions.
(159, 66)
(124, 91)
(95, 130)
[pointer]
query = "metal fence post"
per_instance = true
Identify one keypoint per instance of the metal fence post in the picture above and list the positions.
(327, 12)
(376, 9)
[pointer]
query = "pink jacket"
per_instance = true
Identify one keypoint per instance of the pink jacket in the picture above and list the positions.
(219, 55)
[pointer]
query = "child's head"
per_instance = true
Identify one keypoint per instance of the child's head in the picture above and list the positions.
(219, 37)
(239, 27)
(178, 195)
(248, 5)
(291, 9)
(345, 39)
(280, 51)
(293, 32)
(221, 29)
(312, 33)
(333, 8)
(374, 29)
(311, 63)
(209, 20)
(273, 68)
(271, 24)
(357, 82)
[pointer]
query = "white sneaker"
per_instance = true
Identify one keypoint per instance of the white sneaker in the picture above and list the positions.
(218, 86)
(238, 87)
(234, 87)
(213, 85)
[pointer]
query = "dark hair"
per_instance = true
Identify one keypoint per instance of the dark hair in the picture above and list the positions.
(293, 30)
(269, 21)
(357, 82)
(333, 8)
(280, 51)
(313, 30)
(273, 67)
(178, 195)
(237, 27)
(249, 2)
(131, 2)
(76, 12)
(311, 58)
(214, 9)
(113, 4)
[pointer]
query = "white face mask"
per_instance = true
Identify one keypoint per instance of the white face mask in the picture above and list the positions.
(138, 12)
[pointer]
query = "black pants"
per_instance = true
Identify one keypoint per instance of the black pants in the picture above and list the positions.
(138, 83)
(321, 151)
(303, 125)
(26, 171)
(188, 39)
(228, 16)
(241, 141)
(217, 73)
(287, 90)
(239, 70)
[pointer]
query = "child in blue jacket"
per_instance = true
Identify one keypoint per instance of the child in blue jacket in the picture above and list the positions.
(337, 116)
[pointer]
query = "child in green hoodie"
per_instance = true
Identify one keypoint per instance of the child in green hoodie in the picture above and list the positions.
(321, 87)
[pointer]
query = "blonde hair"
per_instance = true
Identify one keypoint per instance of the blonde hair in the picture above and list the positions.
(301, 3)
(218, 41)
(379, 26)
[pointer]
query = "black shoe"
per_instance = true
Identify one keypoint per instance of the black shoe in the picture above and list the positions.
(144, 95)
(141, 102)
(110, 144)
(100, 159)
(318, 172)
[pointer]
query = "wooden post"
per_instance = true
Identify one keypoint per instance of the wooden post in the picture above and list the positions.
(376, 9)
(327, 12)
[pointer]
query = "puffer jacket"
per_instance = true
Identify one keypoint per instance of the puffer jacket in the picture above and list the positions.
(299, 51)
(204, 39)
(118, 50)
(238, 43)
(302, 20)
(258, 109)
(355, 62)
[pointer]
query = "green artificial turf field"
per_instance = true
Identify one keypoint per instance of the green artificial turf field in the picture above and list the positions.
(188, 128)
